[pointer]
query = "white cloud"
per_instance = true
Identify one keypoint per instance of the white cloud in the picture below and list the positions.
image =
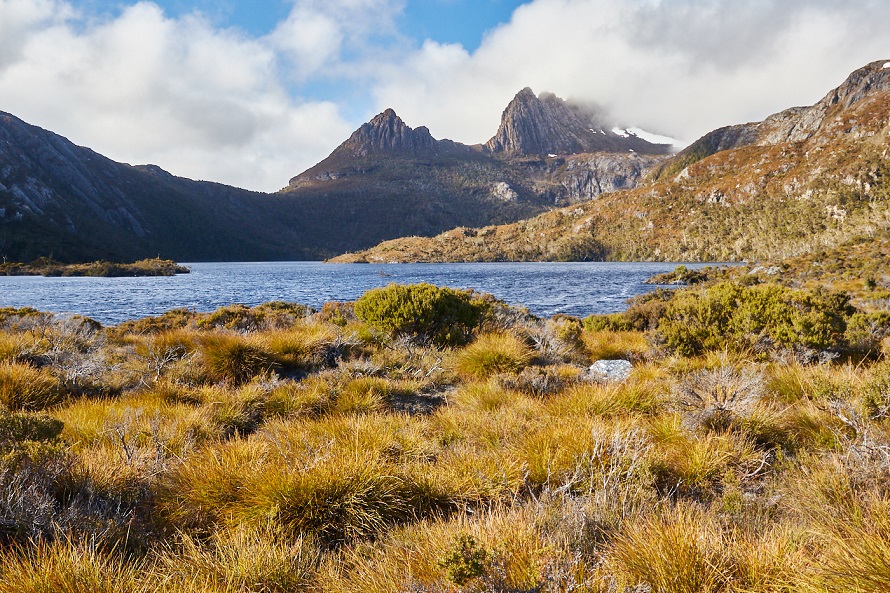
(199, 101)
(331, 38)
(678, 67)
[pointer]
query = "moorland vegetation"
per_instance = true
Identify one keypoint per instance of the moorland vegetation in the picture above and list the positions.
(46, 266)
(427, 439)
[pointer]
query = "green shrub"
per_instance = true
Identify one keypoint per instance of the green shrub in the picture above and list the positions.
(465, 560)
(875, 393)
(170, 320)
(443, 316)
(866, 330)
(613, 322)
(732, 316)
(274, 314)
(336, 312)
(646, 310)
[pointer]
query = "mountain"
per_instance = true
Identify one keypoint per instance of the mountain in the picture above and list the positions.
(801, 181)
(387, 180)
(549, 125)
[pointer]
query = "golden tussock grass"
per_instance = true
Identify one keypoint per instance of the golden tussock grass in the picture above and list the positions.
(236, 560)
(610, 345)
(23, 387)
(286, 457)
(64, 567)
(493, 353)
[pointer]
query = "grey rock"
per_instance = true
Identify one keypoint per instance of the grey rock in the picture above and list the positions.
(388, 133)
(609, 371)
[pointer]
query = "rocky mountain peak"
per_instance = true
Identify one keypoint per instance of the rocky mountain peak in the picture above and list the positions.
(387, 133)
(546, 124)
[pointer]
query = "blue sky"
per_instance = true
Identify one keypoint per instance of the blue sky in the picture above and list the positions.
(253, 93)
(446, 21)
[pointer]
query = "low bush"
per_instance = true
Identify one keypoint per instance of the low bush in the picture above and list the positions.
(271, 315)
(170, 320)
(732, 316)
(865, 332)
(443, 316)
(18, 428)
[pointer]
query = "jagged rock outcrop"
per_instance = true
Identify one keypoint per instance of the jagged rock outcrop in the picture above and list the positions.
(389, 134)
(532, 125)
(386, 136)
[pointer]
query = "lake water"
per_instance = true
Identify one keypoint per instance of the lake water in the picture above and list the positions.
(545, 288)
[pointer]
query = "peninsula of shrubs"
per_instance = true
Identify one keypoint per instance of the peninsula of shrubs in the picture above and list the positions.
(425, 439)
(45, 266)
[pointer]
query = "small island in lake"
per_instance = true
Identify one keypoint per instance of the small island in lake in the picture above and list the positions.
(45, 266)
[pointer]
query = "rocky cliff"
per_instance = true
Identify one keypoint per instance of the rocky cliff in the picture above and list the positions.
(549, 125)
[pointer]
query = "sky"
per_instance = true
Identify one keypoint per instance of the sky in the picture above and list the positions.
(253, 92)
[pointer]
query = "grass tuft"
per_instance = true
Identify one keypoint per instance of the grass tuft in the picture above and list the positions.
(493, 353)
(23, 387)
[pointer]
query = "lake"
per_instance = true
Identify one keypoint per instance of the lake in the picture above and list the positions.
(545, 288)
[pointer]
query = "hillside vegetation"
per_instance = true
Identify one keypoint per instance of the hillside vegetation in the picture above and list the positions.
(427, 439)
(801, 181)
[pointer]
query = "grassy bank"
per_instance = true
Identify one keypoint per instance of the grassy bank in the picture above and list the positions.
(426, 439)
(49, 267)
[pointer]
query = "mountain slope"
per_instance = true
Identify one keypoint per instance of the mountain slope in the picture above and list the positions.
(389, 180)
(801, 180)
(67, 201)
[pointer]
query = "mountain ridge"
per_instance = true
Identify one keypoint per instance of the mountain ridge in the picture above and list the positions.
(803, 179)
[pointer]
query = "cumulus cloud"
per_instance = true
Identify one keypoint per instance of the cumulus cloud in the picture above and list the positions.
(141, 87)
(681, 67)
(331, 38)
